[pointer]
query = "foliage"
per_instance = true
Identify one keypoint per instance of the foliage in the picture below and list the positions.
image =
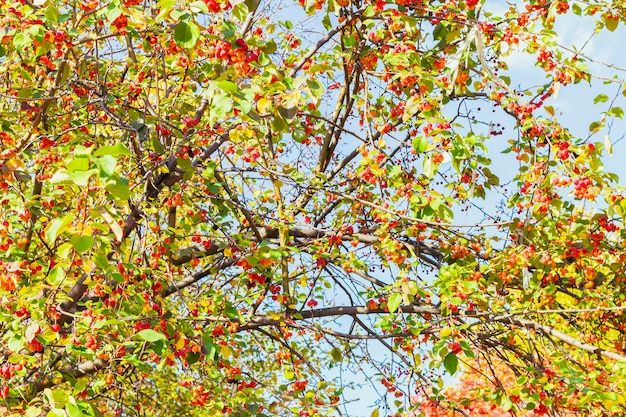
(224, 207)
(468, 395)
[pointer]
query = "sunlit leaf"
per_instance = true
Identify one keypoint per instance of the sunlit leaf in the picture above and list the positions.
(150, 335)
(186, 34)
(394, 302)
(451, 363)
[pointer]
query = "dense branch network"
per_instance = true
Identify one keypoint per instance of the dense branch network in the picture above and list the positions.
(212, 195)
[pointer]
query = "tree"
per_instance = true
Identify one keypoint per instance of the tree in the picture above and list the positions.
(221, 207)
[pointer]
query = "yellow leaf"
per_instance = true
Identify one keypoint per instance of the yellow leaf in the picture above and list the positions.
(146, 309)
(445, 332)
(375, 413)
(14, 164)
(180, 343)
(234, 135)
(137, 17)
(32, 411)
(226, 352)
(263, 105)
(115, 227)
(608, 145)
(417, 358)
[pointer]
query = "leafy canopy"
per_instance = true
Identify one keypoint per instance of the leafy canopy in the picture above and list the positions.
(225, 207)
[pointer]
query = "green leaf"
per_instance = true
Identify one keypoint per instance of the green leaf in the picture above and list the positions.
(600, 98)
(25, 92)
(113, 11)
(106, 164)
(411, 107)
(56, 275)
(228, 86)
(420, 144)
(82, 151)
(56, 227)
(221, 106)
(180, 14)
(429, 167)
(395, 171)
(269, 47)
(157, 146)
(118, 187)
(319, 68)
(315, 87)
(165, 6)
(467, 349)
(229, 30)
(348, 41)
(80, 385)
(244, 105)
(186, 34)
(240, 12)
(209, 346)
(73, 410)
(100, 260)
(607, 396)
(394, 302)
(78, 164)
(616, 112)
(81, 178)
(118, 149)
(336, 354)
(82, 243)
(52, 13)
(440, 31)
(231, 312)
(199, 6)
(186, 166)
(451, 363)
(21, 41)
(192, 357)
(150, 335)
(158, 347)
(33, 411)
(594, 127)
(16, 343)
(56, 398)
(279, 124)
(298, 135)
